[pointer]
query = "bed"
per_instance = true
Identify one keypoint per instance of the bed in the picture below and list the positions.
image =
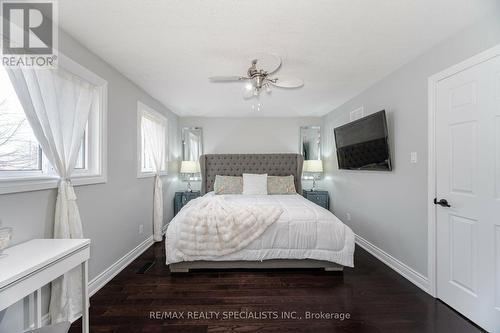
(304, 236)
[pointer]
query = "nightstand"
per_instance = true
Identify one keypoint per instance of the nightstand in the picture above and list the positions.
(320, 198)
(182, 198)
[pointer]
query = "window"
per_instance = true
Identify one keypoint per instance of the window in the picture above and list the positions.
(23, 166)
(19, 150)
(157, 125)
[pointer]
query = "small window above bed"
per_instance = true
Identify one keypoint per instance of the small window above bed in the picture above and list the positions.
(152, 142)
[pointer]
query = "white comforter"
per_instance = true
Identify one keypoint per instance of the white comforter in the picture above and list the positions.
(303, 231)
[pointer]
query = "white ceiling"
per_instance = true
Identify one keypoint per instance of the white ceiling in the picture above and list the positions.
(338, 47)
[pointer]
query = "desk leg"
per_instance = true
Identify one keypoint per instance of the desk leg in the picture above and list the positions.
(85, 298)
(38, 308)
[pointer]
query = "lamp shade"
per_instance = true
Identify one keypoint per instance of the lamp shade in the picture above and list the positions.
(190, 167)
(313, 166)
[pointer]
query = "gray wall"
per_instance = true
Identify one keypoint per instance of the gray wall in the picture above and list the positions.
(111, 212)
(249, 135)
(389, 208)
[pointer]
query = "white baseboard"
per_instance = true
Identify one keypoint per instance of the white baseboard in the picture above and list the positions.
(45, 322)
(100, 280)
(407, 272)
(46, 319)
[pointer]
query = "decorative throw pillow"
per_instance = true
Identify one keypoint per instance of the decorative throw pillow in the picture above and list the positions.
(228, 185)
(254, 184)
(280, 185)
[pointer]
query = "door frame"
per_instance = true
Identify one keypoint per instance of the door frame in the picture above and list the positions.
(432, 158)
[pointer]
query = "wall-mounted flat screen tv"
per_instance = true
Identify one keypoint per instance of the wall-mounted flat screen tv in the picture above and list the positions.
(364, 144)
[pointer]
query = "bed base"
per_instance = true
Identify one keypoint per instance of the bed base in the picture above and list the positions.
(185, 266)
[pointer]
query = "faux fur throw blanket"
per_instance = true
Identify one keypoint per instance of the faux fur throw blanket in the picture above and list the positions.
(213, 226)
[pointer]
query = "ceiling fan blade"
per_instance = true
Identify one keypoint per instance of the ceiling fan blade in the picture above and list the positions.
(290, 82)
(225, 78)
(269, 62)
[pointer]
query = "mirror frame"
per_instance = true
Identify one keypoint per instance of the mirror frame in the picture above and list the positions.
(301, 147)
(183, 131)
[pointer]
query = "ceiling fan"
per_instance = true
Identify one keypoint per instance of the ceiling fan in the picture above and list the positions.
(258, 76)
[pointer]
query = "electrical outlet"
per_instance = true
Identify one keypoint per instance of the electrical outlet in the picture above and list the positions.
(348, 216)
(141, 229)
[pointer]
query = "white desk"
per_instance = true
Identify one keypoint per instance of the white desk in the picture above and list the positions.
(31, 265)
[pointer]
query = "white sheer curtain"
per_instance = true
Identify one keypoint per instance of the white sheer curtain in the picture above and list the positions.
(57, 105)
(155, 133)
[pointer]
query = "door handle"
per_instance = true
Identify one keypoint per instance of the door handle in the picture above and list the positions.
(442, 202)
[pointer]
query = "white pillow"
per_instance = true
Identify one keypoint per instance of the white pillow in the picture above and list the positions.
(254, 184)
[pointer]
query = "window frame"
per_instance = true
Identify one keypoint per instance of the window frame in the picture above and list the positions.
(144, 110)
(96, 144)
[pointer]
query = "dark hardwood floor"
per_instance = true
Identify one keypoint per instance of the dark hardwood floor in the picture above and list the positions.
(376, 298)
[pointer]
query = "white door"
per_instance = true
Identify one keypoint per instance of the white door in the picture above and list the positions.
(468, 177)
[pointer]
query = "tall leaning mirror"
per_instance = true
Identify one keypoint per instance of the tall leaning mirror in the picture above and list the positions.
(310, 142)
(192, 149)
(310, 148)
(192, 143)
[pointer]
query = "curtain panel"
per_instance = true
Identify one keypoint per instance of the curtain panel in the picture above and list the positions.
(57, 105)
(155, 136)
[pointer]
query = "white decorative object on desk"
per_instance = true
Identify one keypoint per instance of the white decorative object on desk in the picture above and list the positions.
(30, 266)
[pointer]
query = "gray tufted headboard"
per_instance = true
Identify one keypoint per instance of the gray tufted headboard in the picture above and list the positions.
(237, 164)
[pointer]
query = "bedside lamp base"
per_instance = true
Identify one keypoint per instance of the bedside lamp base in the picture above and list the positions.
(314, 184)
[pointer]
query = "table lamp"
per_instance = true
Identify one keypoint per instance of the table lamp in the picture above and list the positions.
(188, 170)
(315, 168)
